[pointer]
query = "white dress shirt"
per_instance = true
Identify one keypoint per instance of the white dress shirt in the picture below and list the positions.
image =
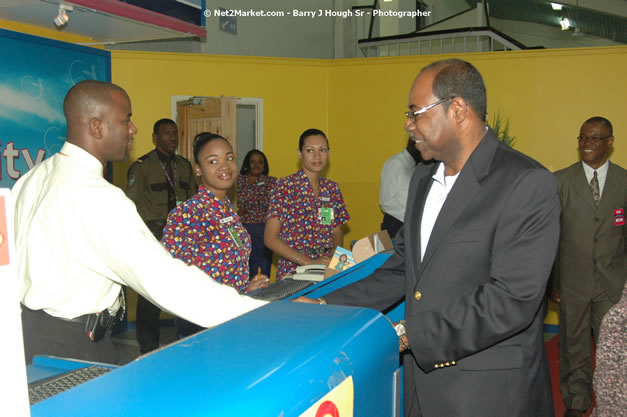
(395, 177)
(78, 238)
(435, 200)
(601, 174)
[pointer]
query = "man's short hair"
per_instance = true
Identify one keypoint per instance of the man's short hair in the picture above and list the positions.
(457, 78)
(158, 123)
(84, 96)
(603, 121)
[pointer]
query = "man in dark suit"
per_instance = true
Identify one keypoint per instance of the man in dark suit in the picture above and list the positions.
(472, 260)
(590, 269)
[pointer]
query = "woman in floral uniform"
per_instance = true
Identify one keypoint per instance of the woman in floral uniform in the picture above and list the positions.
(306, 210)
(253, 195)
(205, 230)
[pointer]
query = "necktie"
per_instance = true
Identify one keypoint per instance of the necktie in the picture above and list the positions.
(596, 192)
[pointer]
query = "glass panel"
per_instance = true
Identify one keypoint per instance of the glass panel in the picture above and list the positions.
(425, 47)
(471, 44)
(393, 49)
(436, 46)
(415, 48)
(447, 46)
(458, 45)
(497, 46)
(403, 49)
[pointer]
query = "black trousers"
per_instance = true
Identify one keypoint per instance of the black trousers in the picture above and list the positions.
(48, 335)
(391, 224)
(147, 325)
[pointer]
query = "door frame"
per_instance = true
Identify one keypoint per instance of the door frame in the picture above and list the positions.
(257, 102)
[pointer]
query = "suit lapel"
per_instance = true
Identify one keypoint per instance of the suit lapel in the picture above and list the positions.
(580, 184)
(610, 189)
(466, 187)
(420, 190)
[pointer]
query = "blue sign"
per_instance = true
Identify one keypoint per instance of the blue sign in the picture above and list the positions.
(36, 73)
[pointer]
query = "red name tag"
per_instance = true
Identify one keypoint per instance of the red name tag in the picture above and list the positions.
(619, 217)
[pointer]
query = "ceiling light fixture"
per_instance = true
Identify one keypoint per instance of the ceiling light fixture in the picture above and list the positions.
(557, 6)
(564, 23)
(61, 19)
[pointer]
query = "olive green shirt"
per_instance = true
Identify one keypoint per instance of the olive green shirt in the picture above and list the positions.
(151, 189)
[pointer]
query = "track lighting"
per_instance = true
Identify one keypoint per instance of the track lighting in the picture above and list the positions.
(564, 23)
(61, 19)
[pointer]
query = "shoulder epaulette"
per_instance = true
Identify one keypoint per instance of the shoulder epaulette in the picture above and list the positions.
(143, 157)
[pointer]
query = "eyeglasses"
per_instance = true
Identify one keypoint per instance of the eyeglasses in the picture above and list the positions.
(594, 139)
(413, 115)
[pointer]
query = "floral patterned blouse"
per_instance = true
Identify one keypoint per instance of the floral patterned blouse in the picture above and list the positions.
(254, 198)
(293, 203)
(206, 232)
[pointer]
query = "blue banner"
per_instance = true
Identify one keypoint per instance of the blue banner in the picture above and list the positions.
(36, 73)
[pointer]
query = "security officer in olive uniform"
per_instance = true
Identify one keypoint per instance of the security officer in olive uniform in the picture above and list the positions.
(157, 182)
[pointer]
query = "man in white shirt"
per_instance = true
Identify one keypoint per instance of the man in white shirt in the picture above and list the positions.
(591, 265)
(395, 177)
(79, 239)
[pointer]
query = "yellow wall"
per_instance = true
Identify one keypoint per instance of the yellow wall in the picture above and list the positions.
(546, 94)
(294, 93)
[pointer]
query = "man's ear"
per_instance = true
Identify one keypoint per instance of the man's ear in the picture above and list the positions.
(96, 128)
(459, 109)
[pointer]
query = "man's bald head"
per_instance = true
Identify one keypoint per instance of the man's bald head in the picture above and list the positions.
(99, 120)
(87, 100)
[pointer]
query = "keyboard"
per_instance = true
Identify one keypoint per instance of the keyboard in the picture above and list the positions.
(280, 289)
(47, 387)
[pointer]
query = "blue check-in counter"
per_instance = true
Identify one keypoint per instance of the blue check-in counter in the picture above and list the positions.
(284, 359)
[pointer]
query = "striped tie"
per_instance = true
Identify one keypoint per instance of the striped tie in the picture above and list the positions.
(596, 192)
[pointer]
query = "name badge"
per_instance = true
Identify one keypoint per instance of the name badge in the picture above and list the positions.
(619, 217)
(226, 220)
(326, 215)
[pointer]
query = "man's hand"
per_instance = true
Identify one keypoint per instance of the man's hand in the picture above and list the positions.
(303, 299)
(403, 342)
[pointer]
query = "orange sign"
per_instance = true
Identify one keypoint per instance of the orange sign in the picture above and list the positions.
(337, 403)
(4, 234)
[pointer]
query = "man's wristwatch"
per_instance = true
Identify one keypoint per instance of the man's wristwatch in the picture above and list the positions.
(400, 332)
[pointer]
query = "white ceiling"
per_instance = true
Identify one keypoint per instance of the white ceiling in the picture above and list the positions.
(102, 28)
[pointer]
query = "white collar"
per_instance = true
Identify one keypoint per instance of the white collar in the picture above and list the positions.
(82, 156)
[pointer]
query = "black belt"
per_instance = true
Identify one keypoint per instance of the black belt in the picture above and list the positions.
(80, 319)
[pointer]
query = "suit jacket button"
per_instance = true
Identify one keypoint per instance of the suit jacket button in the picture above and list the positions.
(417, 295)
